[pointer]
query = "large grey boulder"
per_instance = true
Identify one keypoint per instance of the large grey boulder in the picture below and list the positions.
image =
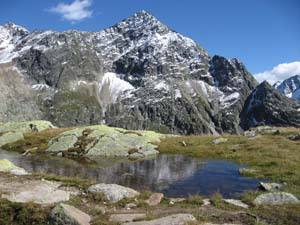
(113, 192)
(176, 219)
(275, 198)
(64, 214)
(10, 137)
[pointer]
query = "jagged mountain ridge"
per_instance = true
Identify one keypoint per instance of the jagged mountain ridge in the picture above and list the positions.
(137, 74)
(290, 87)
(266, 105)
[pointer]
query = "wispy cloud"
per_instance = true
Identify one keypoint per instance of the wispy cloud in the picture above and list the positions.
(75, 11)
(279, 72)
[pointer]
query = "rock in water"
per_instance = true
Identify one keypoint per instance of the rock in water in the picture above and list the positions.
(7, 166)
(113, 192)
(275, 198)
(176, 219)
(64, 214)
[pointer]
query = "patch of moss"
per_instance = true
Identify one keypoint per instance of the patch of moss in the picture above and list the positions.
(23, 213)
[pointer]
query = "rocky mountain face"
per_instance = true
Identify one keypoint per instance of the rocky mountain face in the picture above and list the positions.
(137, 74)
(266, 105)
(290, 87)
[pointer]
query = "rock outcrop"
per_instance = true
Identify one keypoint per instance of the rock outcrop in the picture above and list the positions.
(101, 140)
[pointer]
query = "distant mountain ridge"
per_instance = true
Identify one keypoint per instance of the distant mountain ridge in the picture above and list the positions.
(137, 74)
(290, 87)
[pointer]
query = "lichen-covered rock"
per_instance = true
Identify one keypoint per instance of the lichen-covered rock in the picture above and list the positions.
(176, 219)
(26, 126)
(9, 167)
(64, 214)
(10, 137)
(275, 198)
(101, 140)
(113, 192)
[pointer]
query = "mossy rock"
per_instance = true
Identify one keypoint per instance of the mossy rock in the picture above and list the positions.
(25, 126)
(106, 141)
(10, 137)
(8, 167)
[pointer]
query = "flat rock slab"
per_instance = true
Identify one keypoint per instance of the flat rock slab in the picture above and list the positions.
(220, 141)
(275, 198)
(155, 199)
(64, 214)
(122, 218)
(176, 219)
(37, 191)
(236, 202)
(113, 192)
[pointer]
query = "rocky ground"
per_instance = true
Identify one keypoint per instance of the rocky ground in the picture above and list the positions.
(49, 199)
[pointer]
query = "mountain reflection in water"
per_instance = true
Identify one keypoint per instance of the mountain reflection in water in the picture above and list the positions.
(174, 175)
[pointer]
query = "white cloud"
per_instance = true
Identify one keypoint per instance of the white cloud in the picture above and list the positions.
(75, 11)
(279, 72)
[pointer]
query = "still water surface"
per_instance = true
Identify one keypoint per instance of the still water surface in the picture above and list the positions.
(174, 175)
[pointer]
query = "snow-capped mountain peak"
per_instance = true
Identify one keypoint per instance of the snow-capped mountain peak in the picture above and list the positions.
(290, 87)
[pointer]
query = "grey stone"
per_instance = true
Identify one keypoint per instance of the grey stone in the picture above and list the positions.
(64, 214)
(122, 218)
(10, 137)
(113, 192)
(275, 198)
(155, 199)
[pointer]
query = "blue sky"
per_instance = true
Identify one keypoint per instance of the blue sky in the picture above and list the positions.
(263, 34)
